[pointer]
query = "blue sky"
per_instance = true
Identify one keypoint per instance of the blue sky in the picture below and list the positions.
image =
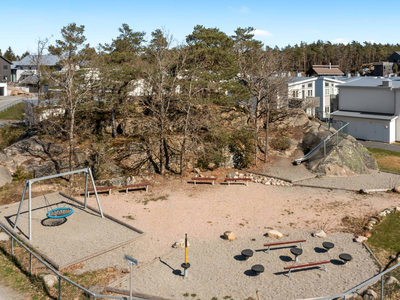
(277, 22)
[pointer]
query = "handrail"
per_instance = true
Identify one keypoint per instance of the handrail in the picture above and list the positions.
(375, 278)
(316, 148)
(60, 275)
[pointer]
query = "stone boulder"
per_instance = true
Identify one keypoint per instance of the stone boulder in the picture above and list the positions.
(229, 235)
(50, 280)
(40, 157)
(361, 239)
(370, 295)
(396, 189)
(274, 234)
(320, 234)
(5, 176)
(391, 280)
(348, 158)
(180, 244)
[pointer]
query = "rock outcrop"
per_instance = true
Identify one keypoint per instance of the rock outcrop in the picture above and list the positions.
(5, 176)
(348, 158)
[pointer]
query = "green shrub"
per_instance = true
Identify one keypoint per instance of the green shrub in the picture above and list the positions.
(20, 174)
(280, 143)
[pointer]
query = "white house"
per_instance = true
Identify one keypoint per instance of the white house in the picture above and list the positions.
(302, 91)
(371, 105)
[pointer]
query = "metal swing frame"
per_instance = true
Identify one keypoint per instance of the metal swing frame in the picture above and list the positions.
(28, 184)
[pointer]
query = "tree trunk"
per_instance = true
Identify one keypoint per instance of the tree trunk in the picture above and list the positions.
(255, 138)
(183, 149)
(71, 143)
(113, 123)
(266, 135)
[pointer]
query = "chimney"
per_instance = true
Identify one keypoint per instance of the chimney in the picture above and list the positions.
(387, 83)
(348, 75)
(395, 75)
(298, 74)
(330, 66)
(357, 74)
(389, 75)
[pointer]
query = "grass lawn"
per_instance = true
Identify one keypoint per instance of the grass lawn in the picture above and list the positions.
(384, 242)
(387, 160)
(17, 112)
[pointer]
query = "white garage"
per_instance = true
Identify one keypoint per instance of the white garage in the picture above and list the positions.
(366, 126)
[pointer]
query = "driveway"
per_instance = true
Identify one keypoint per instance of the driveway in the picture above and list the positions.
(380, 145)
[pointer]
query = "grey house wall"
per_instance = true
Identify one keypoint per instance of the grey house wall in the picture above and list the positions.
(5, 70)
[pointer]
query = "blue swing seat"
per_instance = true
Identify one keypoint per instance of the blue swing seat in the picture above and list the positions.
(61, 212)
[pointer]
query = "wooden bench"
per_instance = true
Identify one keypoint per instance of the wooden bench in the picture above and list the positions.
(204, 179)
(324, 262)
(284, 243)
(137, 185)
(100, 188)
(238, 179)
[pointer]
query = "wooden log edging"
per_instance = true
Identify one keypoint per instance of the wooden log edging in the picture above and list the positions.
(134, 294)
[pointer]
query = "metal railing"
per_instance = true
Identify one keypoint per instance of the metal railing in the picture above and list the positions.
(324, 147)
(363, 284)
(10, 105)
(60, 276)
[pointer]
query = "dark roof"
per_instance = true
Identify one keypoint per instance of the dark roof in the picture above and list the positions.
(6, 59)
(47, 60)
(362, 115)
(322, 70)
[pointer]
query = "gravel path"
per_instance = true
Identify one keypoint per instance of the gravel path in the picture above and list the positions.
(283, 168)
(380, 145)
(84, 233)
(218, 270)
(376, 180)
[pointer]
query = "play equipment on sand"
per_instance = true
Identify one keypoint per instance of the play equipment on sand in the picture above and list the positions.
(57, 213)
(186, 265)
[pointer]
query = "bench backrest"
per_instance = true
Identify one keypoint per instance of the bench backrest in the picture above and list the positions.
(233, 179)
(283, 243)
(307, 265)
(204, 178)
(99, 188)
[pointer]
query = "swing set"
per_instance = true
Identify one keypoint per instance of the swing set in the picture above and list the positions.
(59, 212)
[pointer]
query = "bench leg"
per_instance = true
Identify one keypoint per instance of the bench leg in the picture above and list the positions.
(289, 272)
(109, 191)
(229, 183)
(147, 188)
(247, 183)
(213, 182)
(194, 182)
(126, 190)
(301, 246)
(325, 268)
(268, 249)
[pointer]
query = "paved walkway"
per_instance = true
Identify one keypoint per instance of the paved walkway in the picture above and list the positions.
(380, 145)
(7, 293)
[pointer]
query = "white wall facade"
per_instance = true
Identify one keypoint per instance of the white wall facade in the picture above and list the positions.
(366, 99)
(368, 129)
(3, 89)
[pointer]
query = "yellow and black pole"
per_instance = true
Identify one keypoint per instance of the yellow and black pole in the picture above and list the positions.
(185, 265)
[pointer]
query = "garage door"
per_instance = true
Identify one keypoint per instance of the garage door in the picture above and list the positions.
(371, 130)
(1, 91)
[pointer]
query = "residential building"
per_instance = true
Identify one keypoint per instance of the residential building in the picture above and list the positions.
(301, 93)
(324, 70)
(383, 69)
(5, 69)
(28, 66)
(371, 105)
(3, 89)
(395, 58)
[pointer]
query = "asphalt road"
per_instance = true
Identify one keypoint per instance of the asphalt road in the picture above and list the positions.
(380, 145)
(5, 100)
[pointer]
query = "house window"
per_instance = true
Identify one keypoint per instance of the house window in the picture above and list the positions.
(5, 67)
(309, 93)
(310, 85)
(326, 91)
(327, 109)
(309, 111)
(5, 77)
(326, 83)
(303, 86)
